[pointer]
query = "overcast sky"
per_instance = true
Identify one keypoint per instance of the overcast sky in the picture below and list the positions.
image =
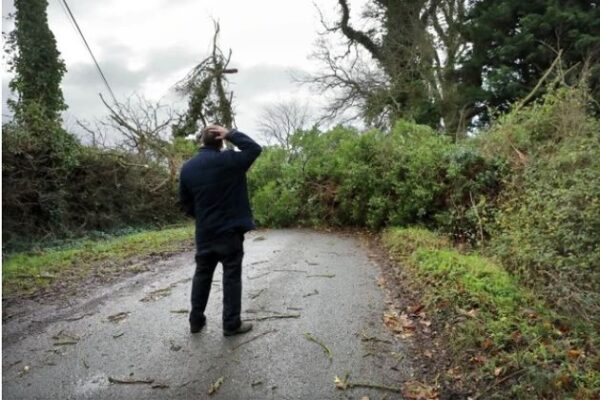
(145, 46)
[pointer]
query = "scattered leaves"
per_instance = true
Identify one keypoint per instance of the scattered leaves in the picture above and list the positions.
(399, 324)
(414, 390)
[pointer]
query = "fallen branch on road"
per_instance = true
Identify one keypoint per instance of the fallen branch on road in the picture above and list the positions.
(252, 339)
(326, 350)
(278, 316)
(130, 381)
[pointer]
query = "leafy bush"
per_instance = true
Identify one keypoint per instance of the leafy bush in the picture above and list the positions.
(373, 179)
(53, 187)
(548, 224)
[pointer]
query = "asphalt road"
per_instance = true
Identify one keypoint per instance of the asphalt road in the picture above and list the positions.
(297, 284)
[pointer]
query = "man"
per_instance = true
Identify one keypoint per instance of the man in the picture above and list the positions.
(212, 188)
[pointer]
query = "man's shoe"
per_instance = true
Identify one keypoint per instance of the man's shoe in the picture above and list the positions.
(195, 328)
(243, 328)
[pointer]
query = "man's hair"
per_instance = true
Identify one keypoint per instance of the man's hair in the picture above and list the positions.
(208, 139)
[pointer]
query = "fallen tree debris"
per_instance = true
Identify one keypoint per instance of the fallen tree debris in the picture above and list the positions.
(311, 293)
(118, 335)
(290, 270)
(256, 294)
(215, 386)
(310, 337)
(345, 383)
(180, 311)
(321, 276)
(128, 381)
(118, 316)
(157, 294)
(259, 262)
(277, 316)
(366, 338)
(258, 276)
(78, 317)
(65, 339)
(252, 339)
(159, 385)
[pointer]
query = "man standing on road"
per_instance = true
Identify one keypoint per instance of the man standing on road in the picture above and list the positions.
(212, 188)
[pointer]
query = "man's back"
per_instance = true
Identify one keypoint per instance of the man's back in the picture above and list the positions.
(213, 188)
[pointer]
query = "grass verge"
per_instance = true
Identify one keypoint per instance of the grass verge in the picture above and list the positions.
(504, 341)
(26, 273)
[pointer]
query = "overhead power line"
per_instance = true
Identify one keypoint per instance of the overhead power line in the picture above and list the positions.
(71, 17)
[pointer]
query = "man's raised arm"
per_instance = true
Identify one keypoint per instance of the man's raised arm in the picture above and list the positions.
(249, 149)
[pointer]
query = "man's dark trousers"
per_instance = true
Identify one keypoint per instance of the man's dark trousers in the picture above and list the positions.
(228, 249)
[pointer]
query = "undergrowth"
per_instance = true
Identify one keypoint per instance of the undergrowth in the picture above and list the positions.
(510, 343)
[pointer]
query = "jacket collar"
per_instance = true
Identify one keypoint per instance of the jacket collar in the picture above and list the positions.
(208, 148)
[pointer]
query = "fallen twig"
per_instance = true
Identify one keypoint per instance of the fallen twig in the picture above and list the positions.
(215, 386)
(321, 276)
(366, 338)
(258, 276)
(66, 342)
(345, 383)
(181, 311)
(130, 381)
(259, 262)
(290, 270)
(157, 294)
(311, 293)
(252, 339)
(118, 335)
(159, 385)
(118, 316)
(277, 316)
(77, 318)
(326, 350)
(255, 295)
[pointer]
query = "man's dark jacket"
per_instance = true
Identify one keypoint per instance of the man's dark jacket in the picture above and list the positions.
(213, 189)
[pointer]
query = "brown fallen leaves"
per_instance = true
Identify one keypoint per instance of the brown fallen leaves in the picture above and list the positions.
(401, 324)
(415, 390)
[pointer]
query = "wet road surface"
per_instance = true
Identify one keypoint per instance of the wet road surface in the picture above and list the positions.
(298, 284)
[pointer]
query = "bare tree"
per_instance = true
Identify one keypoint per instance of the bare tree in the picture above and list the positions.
(279, 121)
(402, 65)
(144, 128)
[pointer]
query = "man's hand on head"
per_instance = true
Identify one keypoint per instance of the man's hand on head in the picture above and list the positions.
(219, 131)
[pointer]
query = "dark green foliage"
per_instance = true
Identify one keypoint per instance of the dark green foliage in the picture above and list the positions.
(515, 42)
(36, 62)
(55, 188)
(342, 177)
(548, 226)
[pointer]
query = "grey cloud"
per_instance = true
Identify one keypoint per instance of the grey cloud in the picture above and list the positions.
(261, 79)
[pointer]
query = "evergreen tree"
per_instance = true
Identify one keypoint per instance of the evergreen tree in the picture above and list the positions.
(36, 62)
(514, 42)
